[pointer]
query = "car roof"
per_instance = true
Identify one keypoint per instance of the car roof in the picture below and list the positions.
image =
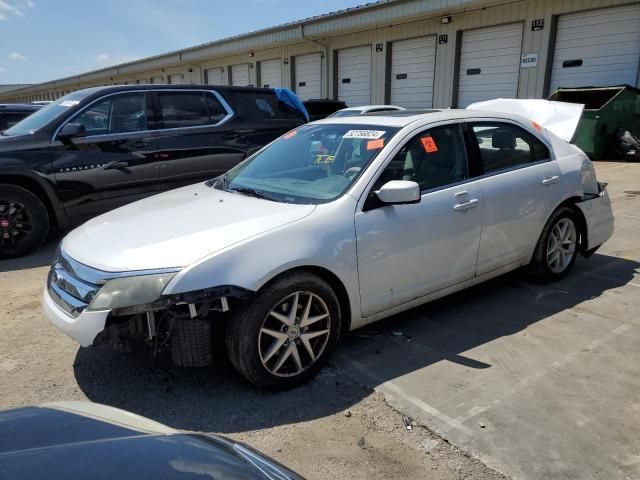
(178, 86)
(402, 118)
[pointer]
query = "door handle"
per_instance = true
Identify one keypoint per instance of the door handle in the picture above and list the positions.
(466, 205)
(550, 180)
(141, 144)
(116, 165)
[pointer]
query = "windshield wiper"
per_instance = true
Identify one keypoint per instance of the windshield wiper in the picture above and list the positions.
(253, 193)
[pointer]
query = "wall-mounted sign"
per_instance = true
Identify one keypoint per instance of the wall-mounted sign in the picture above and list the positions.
(537, 25)
(529, 60)
(443, 39)
(379, 47)
(401, 76)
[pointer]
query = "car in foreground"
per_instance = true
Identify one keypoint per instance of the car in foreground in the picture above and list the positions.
(12, 113)
(83, 440)
(364, 109)
(99, 148)
(335, 225)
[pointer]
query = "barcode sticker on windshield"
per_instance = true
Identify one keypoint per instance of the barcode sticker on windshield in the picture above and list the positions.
(368, 134)
(69, 103)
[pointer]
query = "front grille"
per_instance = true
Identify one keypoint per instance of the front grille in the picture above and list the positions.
(73, 285)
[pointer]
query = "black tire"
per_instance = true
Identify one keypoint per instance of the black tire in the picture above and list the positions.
(244, 330)
(539, 268)
(24, 232)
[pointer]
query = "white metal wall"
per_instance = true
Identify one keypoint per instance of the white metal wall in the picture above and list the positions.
(308, 76)
(354, 75)
(597, 48)
(489, 63)
(413, 64)
(175, 78)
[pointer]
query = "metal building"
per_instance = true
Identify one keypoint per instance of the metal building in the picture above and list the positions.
(414, 53)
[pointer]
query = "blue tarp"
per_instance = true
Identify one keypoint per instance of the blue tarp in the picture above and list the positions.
(288, 97)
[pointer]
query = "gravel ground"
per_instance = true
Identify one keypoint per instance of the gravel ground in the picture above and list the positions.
(328, 429)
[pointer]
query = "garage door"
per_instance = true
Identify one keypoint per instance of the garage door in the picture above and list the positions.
(271, 73)
(175, 79)
(157, 80)
(489, 63)
(215, 76)
(240, 75)
(597, 48)
(308, 76)
(354, 75)
(413, 65)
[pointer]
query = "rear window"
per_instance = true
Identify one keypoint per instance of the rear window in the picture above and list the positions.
(9, 119)
(189, 109)
(260, 106)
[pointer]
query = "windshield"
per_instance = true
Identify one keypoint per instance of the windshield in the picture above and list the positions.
(47, 113)
(312, 164)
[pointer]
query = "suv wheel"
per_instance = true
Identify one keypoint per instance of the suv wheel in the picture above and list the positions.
(557, 247)
(282, 336)
(24, 221)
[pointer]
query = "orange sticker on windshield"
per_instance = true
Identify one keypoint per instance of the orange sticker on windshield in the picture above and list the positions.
(287, 136)
(375, 144)
(429, 144)
(537, 126)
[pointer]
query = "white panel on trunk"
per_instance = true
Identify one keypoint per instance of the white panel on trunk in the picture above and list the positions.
(489, 63)
(598, 48)
(354, 76)
(413, 65)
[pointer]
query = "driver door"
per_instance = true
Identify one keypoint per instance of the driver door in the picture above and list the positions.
(114, 163)
(408, 251)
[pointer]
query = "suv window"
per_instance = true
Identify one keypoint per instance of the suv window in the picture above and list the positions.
(257, 106)
(433, 158)
(9, 119)
(189, 109)
(503, 145)
(115, 114)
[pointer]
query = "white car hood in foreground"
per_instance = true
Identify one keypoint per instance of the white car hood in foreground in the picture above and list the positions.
(175, 228)
(561, 118)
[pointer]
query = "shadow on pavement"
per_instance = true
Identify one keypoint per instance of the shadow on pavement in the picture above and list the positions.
(40, 258)
(216, 399)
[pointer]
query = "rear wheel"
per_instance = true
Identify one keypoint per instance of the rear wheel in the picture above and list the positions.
(283, 335)
(24, 221)
(557, 247)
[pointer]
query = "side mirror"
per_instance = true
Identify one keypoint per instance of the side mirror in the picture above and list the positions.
(399, 192)
(72, 130)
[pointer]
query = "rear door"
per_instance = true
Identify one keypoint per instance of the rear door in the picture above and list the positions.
(520, 185)
(196, 141)
(115, 163)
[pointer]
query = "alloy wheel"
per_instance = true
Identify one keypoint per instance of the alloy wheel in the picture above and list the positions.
(15, 223)
(561, 246)
(294, 334)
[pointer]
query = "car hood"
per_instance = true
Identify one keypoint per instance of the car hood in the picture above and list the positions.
(176, 228)
(10, 143)
(82, 440)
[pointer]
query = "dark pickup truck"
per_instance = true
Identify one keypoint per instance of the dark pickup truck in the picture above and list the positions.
(99, 148)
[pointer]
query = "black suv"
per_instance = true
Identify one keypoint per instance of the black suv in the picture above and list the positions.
(99, 148)
(10, 114)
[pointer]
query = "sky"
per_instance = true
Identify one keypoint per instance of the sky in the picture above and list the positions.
(43, 40)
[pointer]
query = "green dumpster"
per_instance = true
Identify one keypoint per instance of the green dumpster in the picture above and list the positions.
(607, 109)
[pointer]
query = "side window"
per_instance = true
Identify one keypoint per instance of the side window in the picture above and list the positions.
(115, 114)
(504, 146)
(433, 158)
(9, 119)
(258, 106)
(216, 110)
(183, 109)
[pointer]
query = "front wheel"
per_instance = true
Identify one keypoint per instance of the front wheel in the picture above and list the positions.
(557, 247)
(24, 221)
(282, 336)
